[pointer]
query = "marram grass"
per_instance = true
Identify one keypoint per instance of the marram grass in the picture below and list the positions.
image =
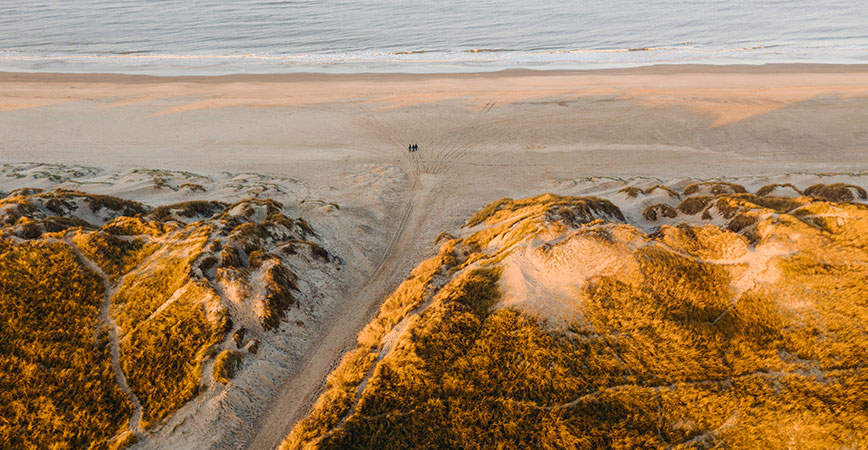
(743, 336)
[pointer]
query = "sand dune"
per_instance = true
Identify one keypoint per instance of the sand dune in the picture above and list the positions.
(334, 148)
(380, 233)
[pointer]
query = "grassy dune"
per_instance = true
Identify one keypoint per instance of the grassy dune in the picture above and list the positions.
(68, 257)
(744, 332)
(57, 388)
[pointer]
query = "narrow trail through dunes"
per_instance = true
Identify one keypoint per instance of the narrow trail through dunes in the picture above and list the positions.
(438, 148)
(113, 330)
(300, 391)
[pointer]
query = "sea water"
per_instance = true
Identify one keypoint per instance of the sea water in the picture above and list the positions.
(268, 36)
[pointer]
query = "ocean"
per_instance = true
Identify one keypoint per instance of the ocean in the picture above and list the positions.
(207, 37)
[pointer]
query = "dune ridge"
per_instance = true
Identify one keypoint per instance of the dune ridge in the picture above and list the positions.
(551, 324)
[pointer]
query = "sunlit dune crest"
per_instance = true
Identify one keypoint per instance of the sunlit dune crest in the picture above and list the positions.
(552, 320)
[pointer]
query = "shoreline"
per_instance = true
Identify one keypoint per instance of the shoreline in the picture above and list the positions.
(651, 69)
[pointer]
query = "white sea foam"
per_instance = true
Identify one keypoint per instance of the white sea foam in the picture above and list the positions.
(223, 36)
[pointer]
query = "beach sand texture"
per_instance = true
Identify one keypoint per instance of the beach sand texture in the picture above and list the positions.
(709, 118)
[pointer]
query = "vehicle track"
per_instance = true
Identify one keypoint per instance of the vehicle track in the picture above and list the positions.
(297, 395)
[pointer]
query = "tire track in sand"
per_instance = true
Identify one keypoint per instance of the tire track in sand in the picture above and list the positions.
(298, 394)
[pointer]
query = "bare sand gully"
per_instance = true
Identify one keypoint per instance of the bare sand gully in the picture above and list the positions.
(296, 397)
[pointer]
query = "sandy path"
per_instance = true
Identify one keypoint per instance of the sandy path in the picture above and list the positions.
(298, 394)
(113, 330)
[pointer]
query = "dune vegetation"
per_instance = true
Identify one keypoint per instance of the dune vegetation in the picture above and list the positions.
(83, 274)
(57, 387)
(737, 323)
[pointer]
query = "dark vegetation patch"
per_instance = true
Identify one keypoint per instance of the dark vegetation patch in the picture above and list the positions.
(579, 212)
(257, 257)
(14, 208)
(226, 365)
(319, 252)
(279, 282)
(61, 199)
(727, 208)
(740, 222)
(694, 205)
(54, 224)
(305, 227)
(652, 212)
(714, 188)
(24, 192)
(778, 204)
(248, 207)
(292, 247)
(189, 210)
(633, 191)
(27, 228)
(663, 188)
(229, 257)
(837, 192)
(238, 337)
(444, 236)
(769, 188)
(193, 187)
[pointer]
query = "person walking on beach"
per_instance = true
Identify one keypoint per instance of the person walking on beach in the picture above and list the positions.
(410, 147)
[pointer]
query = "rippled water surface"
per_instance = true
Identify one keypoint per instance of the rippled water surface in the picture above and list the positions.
(229, 36)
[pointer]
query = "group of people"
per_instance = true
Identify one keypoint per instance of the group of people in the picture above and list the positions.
(413, 147)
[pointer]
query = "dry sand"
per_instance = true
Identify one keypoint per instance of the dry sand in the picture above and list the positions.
(343, 138)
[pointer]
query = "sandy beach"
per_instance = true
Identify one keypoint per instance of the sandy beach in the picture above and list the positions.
(701, 120)
(481, 136)
(335, 148)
